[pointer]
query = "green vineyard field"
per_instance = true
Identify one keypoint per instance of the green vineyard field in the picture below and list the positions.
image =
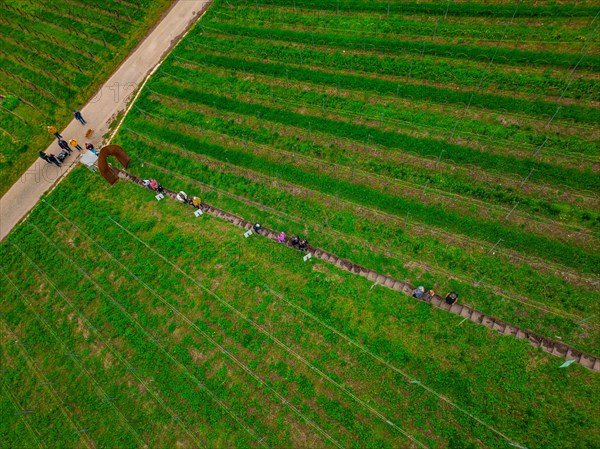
(452, 145)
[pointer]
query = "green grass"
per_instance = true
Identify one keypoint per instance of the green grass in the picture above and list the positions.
(380, 160)
(565, 254)
(54, 57)
(551, 304)
(448, 145)
(97, 295)
(289, 138)
(392, 26)
(442, 64)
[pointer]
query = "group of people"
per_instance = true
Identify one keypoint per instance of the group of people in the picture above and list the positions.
(64, 146)
(181, 196)
(152, 184)
(420, 293)
(50, 158)
(295, 241)
(193, 201)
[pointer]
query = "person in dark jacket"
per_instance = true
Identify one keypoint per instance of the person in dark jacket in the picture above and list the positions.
(64, 145)
(51, 158)
(79, 117)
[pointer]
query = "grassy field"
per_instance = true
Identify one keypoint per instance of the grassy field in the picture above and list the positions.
(460, 170)
(55, 55)
(453, 145)
(128, 322)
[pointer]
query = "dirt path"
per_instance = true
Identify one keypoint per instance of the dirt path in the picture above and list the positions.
(111, 100)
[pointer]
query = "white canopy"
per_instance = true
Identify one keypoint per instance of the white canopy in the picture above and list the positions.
(89, 160)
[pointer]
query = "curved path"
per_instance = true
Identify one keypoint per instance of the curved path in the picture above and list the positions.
(555, 348)
(105, 107)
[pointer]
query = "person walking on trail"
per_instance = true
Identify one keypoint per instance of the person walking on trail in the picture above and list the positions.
(79, 117)
(75, 144)
(43, 156)
(146, 183)
(281, 237)
(64, 145)
(51, 158)
(196, 202)
(52, 130)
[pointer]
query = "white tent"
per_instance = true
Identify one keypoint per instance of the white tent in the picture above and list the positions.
(89, 159)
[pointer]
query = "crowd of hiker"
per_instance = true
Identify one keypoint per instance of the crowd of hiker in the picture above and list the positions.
(65, 148)
(295, 241)
(194, 201)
